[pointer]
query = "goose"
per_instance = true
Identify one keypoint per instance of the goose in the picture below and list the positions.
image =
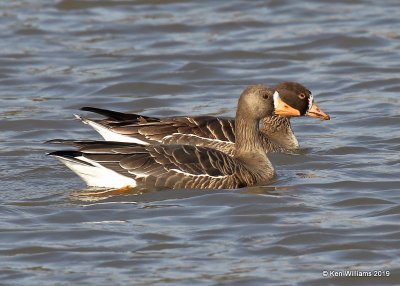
(177, 166)
(276, 133)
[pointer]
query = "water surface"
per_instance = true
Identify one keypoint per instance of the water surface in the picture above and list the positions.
(334, 206)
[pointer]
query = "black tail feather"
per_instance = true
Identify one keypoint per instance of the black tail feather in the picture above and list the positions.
(92, 143)
(69, 155)
(66, 153)
(114, 115)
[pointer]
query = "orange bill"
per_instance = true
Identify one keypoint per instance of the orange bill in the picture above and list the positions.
(283, 109)
(314, 111)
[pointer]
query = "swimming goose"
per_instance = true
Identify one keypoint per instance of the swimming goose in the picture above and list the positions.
(119, 164)
(276, 133)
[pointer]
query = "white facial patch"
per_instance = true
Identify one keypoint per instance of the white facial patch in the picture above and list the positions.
(276, 98)
(310, 102)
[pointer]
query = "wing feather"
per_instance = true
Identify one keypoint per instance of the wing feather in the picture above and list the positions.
(207, 131)
(172, 166)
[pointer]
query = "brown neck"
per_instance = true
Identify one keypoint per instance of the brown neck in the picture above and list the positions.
(247, 134)
(279, 130)
(249, 149)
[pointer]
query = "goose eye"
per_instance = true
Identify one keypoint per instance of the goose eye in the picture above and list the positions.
(265, 95)
(302, 96)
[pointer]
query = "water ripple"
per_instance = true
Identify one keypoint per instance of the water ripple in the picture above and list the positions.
(334, 205)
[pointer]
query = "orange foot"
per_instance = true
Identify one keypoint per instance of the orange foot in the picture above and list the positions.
(101, 195)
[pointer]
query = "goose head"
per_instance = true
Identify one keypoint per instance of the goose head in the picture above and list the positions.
(293, 99)
(256, 102)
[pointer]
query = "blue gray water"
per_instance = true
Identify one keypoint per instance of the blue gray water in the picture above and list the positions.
(333, 207)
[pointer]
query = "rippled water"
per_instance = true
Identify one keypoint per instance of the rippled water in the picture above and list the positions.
(335, 206)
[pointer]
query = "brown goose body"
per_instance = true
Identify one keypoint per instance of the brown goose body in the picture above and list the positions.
(182, 166)
(165, 166)
(218, 133)
(275, 133)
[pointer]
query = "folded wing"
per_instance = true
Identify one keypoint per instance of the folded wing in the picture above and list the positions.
(171, 166)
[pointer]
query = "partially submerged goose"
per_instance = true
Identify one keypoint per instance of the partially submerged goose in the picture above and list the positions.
(119, 164)
(276, 134)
